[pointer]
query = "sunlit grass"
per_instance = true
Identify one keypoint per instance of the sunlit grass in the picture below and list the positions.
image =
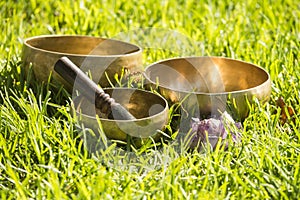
(42, 154)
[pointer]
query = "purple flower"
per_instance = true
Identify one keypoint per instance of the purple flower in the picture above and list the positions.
(214, 129)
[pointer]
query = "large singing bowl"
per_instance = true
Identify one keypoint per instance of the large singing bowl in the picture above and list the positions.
(208, 86)
(100, 57)
(149, 109)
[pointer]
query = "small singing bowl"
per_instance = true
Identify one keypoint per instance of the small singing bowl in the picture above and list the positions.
(149, 109)
(207, 86)
(97, 56)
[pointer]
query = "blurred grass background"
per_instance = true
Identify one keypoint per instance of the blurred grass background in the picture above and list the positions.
(42, 155)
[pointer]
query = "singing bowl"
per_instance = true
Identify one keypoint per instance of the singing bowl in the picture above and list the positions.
(149, 109)
(101, 57)
(208, 86)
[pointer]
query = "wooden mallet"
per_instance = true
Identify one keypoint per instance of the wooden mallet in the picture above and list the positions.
(107, 105)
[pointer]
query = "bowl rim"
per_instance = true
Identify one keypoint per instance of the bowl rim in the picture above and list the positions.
(26, 43)
(265, 83)
(165, 110)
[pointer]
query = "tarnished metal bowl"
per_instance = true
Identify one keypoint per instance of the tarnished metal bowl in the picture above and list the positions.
(208, 86)
(149, 109)
(100, 57)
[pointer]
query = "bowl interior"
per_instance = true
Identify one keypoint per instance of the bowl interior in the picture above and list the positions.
(141, 104)
(206, 74)
(81, 45)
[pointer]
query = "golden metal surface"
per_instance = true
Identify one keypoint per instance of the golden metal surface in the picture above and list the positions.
(210, 84)
(99, 55)
(150, 110)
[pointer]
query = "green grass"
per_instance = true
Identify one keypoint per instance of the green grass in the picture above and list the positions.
(43, 156)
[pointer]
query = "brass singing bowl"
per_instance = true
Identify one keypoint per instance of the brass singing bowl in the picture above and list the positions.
(208, 86)
(149, 109)
(101, 57)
